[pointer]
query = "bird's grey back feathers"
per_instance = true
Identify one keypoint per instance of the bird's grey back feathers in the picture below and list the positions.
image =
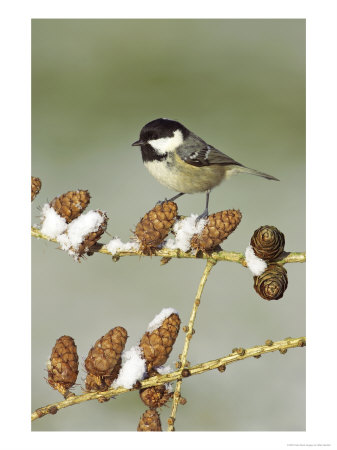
(198, 153)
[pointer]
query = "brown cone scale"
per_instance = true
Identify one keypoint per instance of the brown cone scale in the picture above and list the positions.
(272, 284)
(104, 360)
(92, 238)
(102, 383)
(71, 205)
(267, 242)
(158, 344)
(35, 187)
(155, 396)
(63, 364)
(105, 354)
(150, 421)
(94, 383)
(219, 226)
(155, 226)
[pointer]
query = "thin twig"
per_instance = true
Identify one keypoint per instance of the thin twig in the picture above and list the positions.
(293, 257)
(176, 396)
(168, 378)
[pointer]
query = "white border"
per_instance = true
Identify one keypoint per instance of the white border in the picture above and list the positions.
(321, 223)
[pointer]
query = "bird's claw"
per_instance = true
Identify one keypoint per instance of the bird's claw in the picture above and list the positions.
(160, 202)
(204, 215)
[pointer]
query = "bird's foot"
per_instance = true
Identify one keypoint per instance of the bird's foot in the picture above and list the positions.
(204, 215)
(170, 199)
(160, 202)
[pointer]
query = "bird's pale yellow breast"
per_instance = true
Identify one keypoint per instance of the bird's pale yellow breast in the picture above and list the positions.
(182, 177)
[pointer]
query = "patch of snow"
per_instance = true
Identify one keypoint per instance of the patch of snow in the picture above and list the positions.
(184, 230)
(52, 223)
(159, 319)
(256, 265)
(133, 368)
(116, 245)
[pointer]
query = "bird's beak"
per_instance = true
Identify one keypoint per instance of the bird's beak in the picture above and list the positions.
(137, 143)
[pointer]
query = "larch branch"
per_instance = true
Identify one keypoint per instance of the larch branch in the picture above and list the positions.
(166, 253)
(167, 378)
(189, 333)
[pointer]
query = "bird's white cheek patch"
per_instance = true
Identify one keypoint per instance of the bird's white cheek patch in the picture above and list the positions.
(167, 144)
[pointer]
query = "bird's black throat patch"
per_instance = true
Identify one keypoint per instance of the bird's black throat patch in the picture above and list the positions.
(149, 154)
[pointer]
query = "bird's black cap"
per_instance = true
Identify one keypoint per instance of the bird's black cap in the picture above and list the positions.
(160, 128)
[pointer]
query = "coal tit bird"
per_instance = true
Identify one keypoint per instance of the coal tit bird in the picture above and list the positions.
(182, 161)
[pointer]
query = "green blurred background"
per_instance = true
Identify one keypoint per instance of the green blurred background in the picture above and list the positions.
(240, 85)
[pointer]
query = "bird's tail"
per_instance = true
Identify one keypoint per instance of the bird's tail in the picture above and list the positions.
(243, 169)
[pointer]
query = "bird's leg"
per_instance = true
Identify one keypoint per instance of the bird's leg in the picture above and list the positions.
(204, 215)
(171, 199)
(175, 197)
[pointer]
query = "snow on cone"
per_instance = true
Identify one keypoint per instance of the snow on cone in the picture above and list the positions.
(157, 344)
(150, 421)
(104, 359)
(93, 237)
(267, 242)
(63, 364)
(219, 226)
(83, 233)
(71, 205)
(155, 226)
(35, 187)
(273, 282)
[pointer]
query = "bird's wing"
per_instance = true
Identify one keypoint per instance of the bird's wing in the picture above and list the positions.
(198, 153)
